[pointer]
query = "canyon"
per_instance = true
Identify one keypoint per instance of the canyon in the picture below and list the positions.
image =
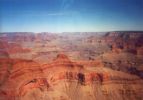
(71, 66)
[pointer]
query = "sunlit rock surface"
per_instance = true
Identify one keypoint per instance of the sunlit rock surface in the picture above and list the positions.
(83, 66)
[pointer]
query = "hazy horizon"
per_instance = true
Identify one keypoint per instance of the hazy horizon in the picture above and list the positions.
(75, 31)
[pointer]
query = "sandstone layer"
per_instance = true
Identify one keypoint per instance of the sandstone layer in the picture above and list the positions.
(75, 66)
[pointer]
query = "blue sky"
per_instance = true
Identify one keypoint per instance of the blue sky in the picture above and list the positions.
(70, 15)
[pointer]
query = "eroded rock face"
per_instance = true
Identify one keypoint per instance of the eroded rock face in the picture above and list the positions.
(66, 80)
(71, 67)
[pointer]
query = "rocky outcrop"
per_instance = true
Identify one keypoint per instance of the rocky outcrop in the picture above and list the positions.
(75, 67)
(26, 78)
(140, 51)
(124, 41)
(3, 51)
